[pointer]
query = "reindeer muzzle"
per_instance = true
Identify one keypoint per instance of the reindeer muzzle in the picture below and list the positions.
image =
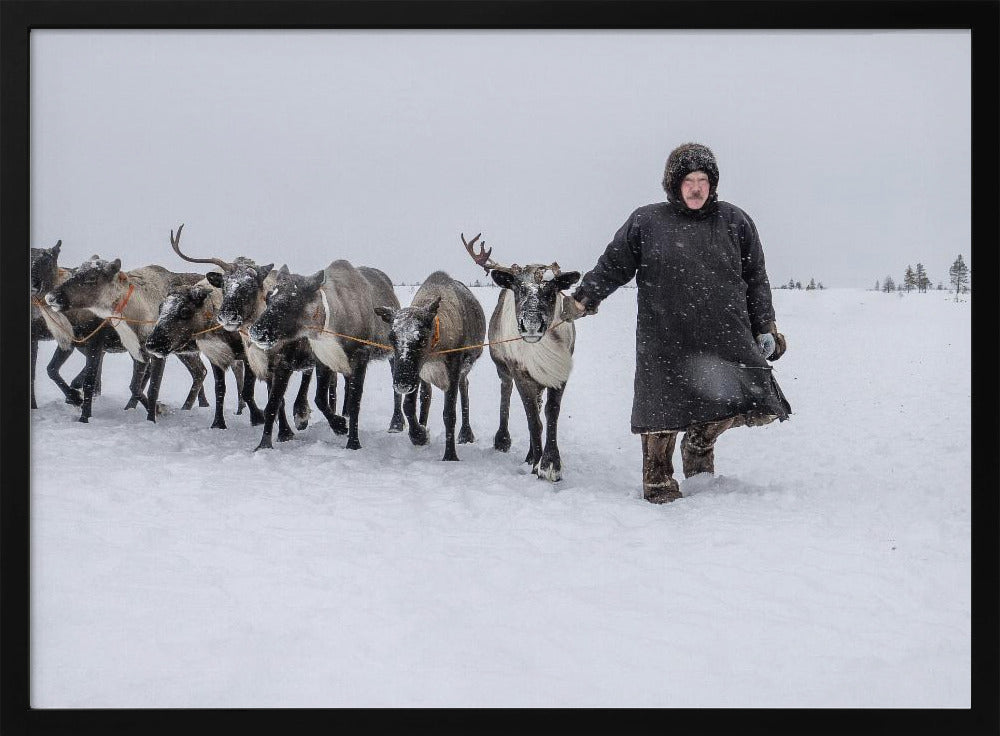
(55, 302)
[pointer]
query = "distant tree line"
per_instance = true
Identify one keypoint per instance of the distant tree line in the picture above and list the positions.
(793, 284)
(916, 278)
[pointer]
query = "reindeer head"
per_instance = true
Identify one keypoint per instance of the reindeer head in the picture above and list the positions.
(44, 269)
(242, 284)
(411, 335)
(292, 306)
(185, 311)
(91, 286)
(535, 297)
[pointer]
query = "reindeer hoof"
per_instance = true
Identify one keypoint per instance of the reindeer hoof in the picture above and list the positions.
(285, 436)
(501, 441)
(338, 424)
(353, 444)
(218, 424)
(202, 401)
(465, 436)
(418, 436)
(265, 444)
(85, 420)
(551, 473)
(75, 398)
(396, 425)
(450, 456)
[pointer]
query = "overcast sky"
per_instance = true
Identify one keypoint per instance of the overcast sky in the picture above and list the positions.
(850, 150)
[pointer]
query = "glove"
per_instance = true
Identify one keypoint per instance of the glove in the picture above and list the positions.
(767, 344)
(574, 308)
(780, 346)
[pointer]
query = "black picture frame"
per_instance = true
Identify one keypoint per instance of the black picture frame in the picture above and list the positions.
(19, 17)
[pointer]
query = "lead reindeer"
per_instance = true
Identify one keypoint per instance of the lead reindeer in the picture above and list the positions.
(428, 339)
(530, 307)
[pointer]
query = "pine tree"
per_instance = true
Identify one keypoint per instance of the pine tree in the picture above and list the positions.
(877, 286)
(811, 286)
(819, 285)
(890, 285)
(958, 275)
(909, 279)
(922, 281)
(798, 284)
(791, 283)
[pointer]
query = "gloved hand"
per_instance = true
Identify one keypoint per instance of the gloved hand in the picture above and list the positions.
(573, 309)
(766, 343)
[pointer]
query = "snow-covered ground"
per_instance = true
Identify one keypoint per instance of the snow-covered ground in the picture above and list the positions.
(827, 564)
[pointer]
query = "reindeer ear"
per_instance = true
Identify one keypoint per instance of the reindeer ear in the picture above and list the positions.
(214, 278)
(263, 271)
(502, 278)
(433, 306)
(283, 271)
(385, 313)
(54, 250)
(567, 279)
(316, 280)
(115, 267)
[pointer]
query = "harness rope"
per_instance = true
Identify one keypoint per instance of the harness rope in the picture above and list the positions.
(107, 320)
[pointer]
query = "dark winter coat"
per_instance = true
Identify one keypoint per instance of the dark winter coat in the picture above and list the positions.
(703, 297)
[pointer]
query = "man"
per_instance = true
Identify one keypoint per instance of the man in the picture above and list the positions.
(705, 320)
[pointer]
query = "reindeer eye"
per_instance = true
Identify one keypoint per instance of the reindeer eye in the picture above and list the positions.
(184, 312)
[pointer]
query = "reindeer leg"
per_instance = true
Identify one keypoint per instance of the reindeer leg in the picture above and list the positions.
(347, 395)
(93, 357)
(359, 366)
(465, 435)
(425, 402)
(239, 371)
(396, 424)
(275, 398)
(153, 392)
(300, 409)
(249, 384)
(449, 414)
(324, 379)
(59, 357)
(501, 440)
(418, 432)
(285, 431)
(550, 465)
(220, 396)
(195, 366)
(531, 397)
(140, 372)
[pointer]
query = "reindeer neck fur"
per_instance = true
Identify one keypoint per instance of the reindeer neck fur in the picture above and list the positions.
(345, 306)
(548, 361)
(219, 346)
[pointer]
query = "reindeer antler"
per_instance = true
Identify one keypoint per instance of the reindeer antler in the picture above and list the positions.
(483, 257)
(176, 244)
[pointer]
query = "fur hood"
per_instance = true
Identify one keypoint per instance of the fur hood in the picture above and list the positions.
(682, 161)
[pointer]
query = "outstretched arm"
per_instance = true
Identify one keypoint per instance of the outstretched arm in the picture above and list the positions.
(615, 268)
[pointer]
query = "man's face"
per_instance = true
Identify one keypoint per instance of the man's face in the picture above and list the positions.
(694, 189)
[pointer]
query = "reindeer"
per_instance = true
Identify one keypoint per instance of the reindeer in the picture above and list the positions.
(128, 301)
(244, 285)
(48, 325)
(427, 338)
(531, 307)
(187, 316)
(334, 310)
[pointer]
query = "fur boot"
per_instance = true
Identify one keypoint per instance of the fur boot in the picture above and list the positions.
(658, 483)
(698, 446)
